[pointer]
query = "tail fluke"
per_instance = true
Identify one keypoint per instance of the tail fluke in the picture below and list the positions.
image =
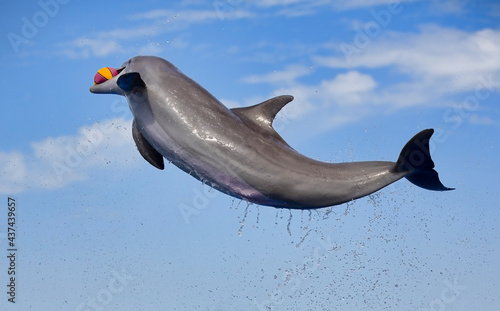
(415, 158)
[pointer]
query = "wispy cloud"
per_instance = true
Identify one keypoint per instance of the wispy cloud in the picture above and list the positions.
(269, 3)
(347, 93)
(14, 172)
(85, 48)
(161, 21)
(357, 4)
(452, 58)
(191, 16)
(59, 161)
(448, 6)
(348, 88)
(430, 65)
(105, 43)
(307, 7)
(292, 8)
(287, 76)
(157, 23)
(482, 120)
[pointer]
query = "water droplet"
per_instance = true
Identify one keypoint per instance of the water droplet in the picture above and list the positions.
(302, 240)
(289, 221)
(242, 222)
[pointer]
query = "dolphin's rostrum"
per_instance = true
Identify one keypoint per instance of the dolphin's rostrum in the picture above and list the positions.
(238, 152)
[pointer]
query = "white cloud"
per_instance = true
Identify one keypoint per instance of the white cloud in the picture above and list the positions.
(58, 161)
(424, 69)
(449, 57)
(344, 94)
(167, 15)
(269, 3)
(104, 43)
(351, 84)
(481, 120)
(336, 3)
(85, 48)
(448, 6)
(294, 7)
(289, 75)
(193, 16)
(356, 4)
(13, 168)
(107, 42)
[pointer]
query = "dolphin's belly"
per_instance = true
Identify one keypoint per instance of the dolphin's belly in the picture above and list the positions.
(263, 173)
(203, 163)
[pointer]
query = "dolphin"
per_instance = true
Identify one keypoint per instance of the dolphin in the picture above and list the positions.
(237, 151)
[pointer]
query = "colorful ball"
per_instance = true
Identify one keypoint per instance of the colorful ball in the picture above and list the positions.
(104, 74)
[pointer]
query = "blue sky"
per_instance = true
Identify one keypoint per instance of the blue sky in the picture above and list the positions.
(100, 229)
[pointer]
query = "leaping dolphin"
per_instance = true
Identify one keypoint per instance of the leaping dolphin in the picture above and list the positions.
(237, 151)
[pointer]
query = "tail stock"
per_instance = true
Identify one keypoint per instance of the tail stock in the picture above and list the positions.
(415, 158)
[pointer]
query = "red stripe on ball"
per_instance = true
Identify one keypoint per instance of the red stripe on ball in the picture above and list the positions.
(113, 71)
(98, 78)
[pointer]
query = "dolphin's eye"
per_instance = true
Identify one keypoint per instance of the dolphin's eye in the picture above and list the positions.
(104, 74)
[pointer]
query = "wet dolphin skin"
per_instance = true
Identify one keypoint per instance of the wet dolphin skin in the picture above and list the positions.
(238, 152)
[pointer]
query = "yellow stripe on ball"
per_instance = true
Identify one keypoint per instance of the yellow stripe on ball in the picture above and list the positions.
(106, 73)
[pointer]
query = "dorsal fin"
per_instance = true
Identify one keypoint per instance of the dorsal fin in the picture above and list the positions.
(262, 115)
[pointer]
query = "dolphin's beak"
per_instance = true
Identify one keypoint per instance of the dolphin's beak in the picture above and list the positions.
(109, 86)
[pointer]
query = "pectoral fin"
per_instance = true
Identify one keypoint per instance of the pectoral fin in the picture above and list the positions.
(147, 151)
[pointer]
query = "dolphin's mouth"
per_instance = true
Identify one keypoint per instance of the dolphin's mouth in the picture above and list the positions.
(105, 81)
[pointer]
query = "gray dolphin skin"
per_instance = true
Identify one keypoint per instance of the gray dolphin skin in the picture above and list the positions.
(237, 151)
